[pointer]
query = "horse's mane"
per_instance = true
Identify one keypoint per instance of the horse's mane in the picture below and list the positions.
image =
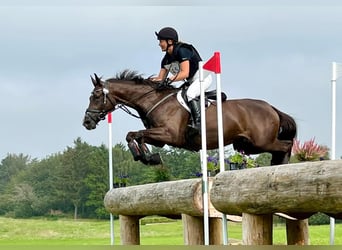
(128, 75)
(134, 76)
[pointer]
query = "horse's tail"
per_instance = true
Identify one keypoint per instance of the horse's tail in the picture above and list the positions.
(287, 127)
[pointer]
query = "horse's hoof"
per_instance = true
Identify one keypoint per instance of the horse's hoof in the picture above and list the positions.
(152, 159)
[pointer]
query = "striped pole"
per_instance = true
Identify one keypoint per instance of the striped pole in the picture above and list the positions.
(110, 164)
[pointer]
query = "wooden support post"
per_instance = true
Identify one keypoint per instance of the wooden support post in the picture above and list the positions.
(257, 229)
(193, 230)
(129, 230)
(215, 232)
(297, 232)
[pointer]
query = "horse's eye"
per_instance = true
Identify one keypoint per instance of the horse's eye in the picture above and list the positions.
(96, 93)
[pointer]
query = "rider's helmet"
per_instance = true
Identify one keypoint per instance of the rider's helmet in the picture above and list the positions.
(167, 33)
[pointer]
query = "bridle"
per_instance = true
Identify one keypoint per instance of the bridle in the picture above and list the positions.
(101, 113)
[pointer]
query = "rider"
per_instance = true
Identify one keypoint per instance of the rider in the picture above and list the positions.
(181, 60)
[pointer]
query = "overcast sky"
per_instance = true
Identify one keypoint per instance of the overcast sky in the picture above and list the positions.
(281, 53)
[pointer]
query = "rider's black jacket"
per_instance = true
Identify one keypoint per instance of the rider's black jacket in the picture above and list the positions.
(181, 52)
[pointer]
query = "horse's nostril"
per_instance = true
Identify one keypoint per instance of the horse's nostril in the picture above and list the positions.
(86, 121)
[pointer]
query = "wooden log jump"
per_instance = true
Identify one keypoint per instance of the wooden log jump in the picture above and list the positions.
(181, 199)
(298, 190)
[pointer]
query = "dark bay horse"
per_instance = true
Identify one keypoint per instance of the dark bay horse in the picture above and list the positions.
(252, 126)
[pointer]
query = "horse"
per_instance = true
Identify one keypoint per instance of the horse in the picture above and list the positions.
(250, 125)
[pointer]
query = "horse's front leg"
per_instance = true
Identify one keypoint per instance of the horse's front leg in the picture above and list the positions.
(156, 136)
(136, 143)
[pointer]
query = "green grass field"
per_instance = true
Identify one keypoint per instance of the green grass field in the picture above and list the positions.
(35, 232)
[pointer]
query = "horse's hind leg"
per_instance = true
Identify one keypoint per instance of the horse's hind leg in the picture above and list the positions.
(279, 157)
(281, 152)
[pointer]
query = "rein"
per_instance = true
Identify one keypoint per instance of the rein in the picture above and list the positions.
(158, 103)
(125, 109)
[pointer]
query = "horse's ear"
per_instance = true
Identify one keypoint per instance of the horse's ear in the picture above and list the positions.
(97, 79)
(93, 80)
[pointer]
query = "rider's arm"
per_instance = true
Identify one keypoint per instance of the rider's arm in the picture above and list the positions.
(161, 76)
(184, 69)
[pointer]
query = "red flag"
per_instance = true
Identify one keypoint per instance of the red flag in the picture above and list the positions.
(109, 117)
(213, 64)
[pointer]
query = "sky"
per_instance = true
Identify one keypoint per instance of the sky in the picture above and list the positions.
(278, 52)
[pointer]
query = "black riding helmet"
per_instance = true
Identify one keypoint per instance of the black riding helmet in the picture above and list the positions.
(167, 33)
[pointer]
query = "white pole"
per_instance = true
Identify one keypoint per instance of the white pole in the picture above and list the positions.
(221, 147)
(204, 160)
(110, 154)
(333, 138)
(333, 104)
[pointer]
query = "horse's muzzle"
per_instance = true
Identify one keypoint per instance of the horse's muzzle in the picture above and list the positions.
(89, 122)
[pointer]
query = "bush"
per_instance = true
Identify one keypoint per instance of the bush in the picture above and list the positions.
(308, 151)
(155, 219)
(319, 219)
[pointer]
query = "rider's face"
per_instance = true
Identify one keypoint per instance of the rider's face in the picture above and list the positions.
(163, 44)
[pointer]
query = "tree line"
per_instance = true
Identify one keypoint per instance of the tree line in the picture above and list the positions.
(76, 180)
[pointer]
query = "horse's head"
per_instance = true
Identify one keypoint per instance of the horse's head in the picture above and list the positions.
(99, 104)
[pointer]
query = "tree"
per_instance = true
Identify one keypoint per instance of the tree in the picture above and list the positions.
(23, 200)
(182, 164)
(97, 181)
(73, 172)
(42, 177)
(10, 167)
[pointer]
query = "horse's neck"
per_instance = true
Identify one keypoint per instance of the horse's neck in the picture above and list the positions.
(136, 96)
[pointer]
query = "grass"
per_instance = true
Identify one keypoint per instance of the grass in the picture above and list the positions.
(35, 232)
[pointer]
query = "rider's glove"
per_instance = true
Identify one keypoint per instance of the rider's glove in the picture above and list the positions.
(164, 84)
(167, 81)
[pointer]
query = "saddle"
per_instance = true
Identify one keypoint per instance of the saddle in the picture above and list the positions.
(210, 96)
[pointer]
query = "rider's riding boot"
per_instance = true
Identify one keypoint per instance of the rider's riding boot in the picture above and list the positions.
(195, 108)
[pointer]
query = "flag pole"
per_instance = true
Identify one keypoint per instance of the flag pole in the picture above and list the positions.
(214, 65)
(203, 152)
(110, 161)
(220, 137)
(333, 137)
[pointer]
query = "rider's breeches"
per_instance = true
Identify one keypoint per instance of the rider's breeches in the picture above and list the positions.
(194, 89)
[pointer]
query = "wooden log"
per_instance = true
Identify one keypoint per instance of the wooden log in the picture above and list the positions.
(129, 230)
(163, 198)
(257, 229)
(307, 188)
